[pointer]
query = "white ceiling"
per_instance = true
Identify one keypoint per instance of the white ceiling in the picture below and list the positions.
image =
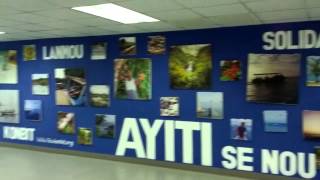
(37, 19)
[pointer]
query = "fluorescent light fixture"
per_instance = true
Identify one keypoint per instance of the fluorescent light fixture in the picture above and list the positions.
(1, 32)
(116, 13)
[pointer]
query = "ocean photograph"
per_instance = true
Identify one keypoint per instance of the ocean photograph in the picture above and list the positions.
(275, 121)
(33, 110)
(210, 105)
(311, 124)
(273, 78)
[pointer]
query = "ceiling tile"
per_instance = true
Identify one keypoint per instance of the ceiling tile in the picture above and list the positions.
(151, 5)
(63, 24)
(274, 5)
(279, 15)
(75, 3)
(63, 13)
(121, 28)
(286, 20)
(156, 26)
(314, 12)
(236, 20)
(95, 21)
(193, 23)
(221, 10)
(30, 18)
(28, 5)
(205, 3)
(175, 15)
(9, 23)
(312, 3)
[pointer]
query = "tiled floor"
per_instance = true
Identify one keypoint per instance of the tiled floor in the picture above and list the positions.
(17, 164)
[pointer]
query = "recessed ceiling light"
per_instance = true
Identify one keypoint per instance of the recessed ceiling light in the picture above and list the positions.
(116, 13)
(1, 32)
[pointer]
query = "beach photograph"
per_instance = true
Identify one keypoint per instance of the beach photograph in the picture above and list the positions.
(33, 110)
(70, 86)
(132, 79)
(99, 95)
(169, 106)
(273, 78)
(311, 124)
(8, 67)
(275, 121)
(9, 106)
(190, 66)
(105, 125)
(241, 129)
(210, 105)
(40, 84)
(66, 122)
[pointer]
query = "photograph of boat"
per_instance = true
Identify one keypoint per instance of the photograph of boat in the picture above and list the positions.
(9, 106)
(70, 86)
(273, 78)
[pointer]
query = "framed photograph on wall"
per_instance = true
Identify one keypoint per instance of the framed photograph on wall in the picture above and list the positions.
(311, 124)
(85, 136)
(66, 122)
(132, 79)
(241, 129)
(33, 110)
(230, 70)
(8, 67)
(169, 106)
(210, 105)
(99, 95)
(156, 45)
(9, 106)
(99, 51)
(127, 46)
(70, 86)
(273, 78)
(275, 121)
(190, 66)
(105, 125)
(313, 71)
(29, 52)
(317, 153)
(40, 84)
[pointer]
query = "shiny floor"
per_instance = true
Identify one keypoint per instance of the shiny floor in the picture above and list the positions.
(17, 164)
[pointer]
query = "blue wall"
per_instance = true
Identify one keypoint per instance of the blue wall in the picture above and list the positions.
(227, 44)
